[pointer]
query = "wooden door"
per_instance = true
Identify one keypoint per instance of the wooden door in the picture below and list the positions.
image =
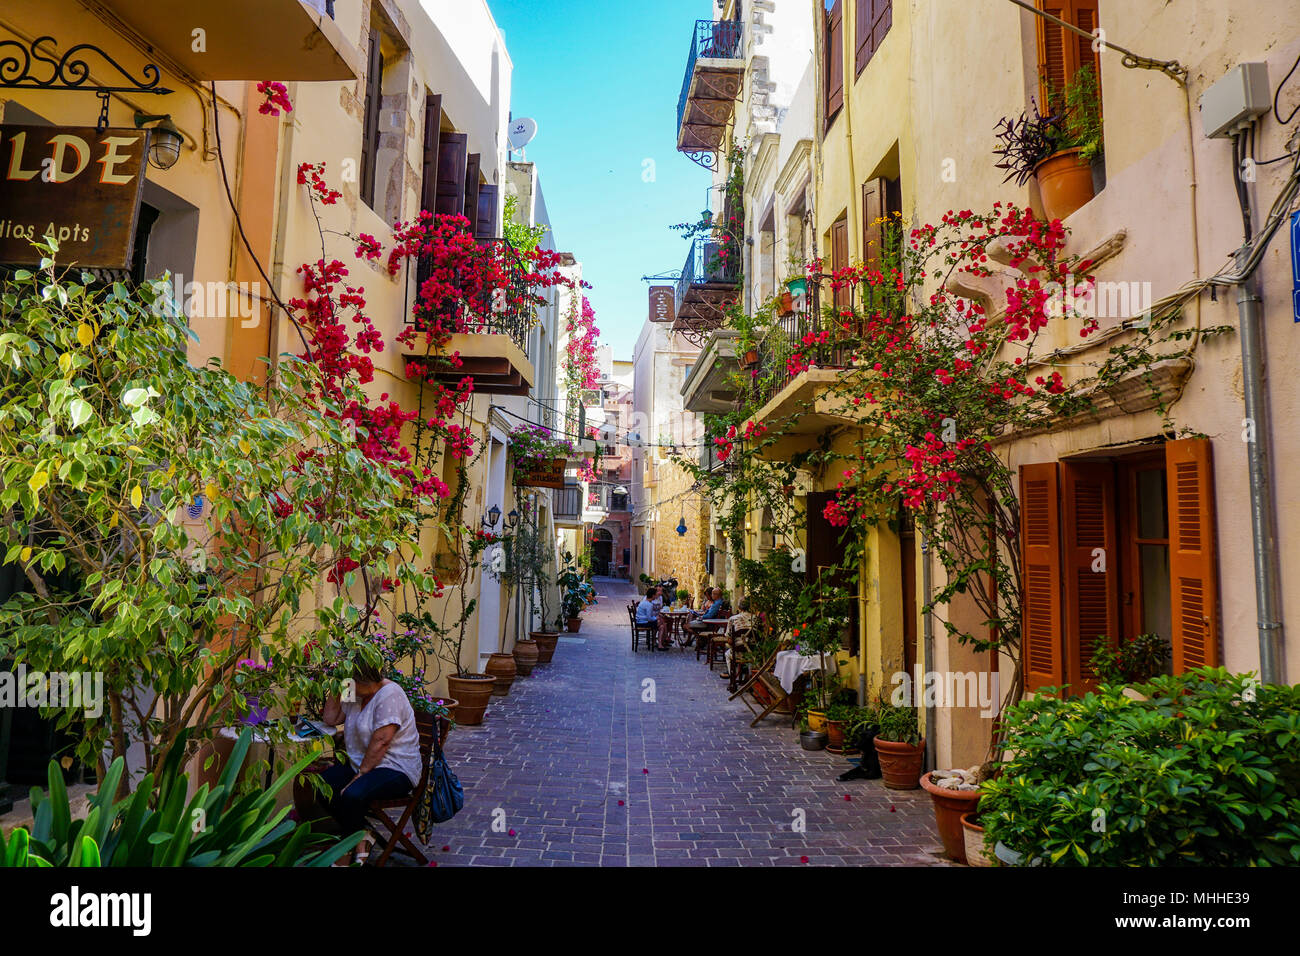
(453, 153)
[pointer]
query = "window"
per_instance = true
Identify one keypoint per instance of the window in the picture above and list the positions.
(871, 23)
(1114, 548)
(1061, 52)
(834, 60)
(370, 127)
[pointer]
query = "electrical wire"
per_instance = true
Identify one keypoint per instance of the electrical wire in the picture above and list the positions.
(1278, 92)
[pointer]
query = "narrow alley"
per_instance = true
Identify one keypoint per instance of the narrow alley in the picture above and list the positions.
(579, 769)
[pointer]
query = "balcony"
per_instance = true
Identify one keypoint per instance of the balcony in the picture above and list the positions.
(491, 337)
(711, 386)
(290, 40)
(566, 505)
(710, 279)
(714, 74)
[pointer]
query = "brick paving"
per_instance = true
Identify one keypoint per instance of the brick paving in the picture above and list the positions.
(698, 785)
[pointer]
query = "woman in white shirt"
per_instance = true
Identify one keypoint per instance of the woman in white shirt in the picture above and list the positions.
(383, 749)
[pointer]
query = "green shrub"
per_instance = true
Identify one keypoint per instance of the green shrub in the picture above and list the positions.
(898, 724)
(1206, 772)
(156, 826)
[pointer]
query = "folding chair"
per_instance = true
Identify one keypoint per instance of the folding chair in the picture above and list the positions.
(427, 725)
(651, 631)
(779, 700)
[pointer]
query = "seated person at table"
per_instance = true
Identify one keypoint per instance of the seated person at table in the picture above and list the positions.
(647, 612)
(737, 624)
(711, 612)
(382, 760)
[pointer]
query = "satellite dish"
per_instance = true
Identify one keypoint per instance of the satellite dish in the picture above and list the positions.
(522, 132)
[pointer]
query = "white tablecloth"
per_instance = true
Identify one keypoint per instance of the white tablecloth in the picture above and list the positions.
(791, 664)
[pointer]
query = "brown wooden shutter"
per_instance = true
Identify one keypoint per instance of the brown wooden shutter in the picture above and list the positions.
(485, 218)
(1091, 596)
(429, 164)
(1193, 570)
(840, 258)
(471, 191)
(873, 212)
(453, 150)
(370, 127)
(1062, 52)
(1040, 560)
(834, 60)
(871, 22)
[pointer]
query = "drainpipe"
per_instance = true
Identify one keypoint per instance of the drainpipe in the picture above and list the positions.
(1263, 517)
(927, 626)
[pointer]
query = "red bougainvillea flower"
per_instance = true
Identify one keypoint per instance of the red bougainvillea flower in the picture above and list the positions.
(277, 98)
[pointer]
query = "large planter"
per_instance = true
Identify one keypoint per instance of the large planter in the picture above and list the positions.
(973, 834)
(573, 624)
(546, 642)
(900, 764)
(472, 696)
(503, 669)
(1064, 182)
(949, 807)
(525, 655)
(835, 736)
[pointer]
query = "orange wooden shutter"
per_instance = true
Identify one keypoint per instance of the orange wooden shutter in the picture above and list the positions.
(834, 60)
(1090, 559)
(873, 212)
(1061, 52)
(1193, 571)
(1040, 560)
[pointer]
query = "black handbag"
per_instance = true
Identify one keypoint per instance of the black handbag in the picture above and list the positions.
(443, 797)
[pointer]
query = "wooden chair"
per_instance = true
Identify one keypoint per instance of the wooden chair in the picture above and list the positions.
(651, 631)
(778, 700)
(426, 725)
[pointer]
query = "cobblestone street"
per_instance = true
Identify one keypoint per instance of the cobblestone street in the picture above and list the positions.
(586, 773)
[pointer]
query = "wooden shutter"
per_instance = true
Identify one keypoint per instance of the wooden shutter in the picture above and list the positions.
(429, 164)
(1061, 52)
(471, 192)
(834, 60)
(1090, 567)
(370, 128)
(453, 151)
(1193, 570)
(871, 22)
(485, 218)
(873, 211)
(1040, 560)
(840, 258)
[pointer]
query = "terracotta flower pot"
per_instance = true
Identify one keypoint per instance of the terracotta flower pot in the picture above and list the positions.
(900, 764)
(835, 733)
(949, 807)
(1065, 183)
(973, 835)
(573, 624)
(787, 303)
(750, 358)
(546, 643)
(525, 655)
(502, 668)
(451, 703)
(472, 696)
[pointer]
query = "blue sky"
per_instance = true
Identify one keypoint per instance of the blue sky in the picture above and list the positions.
(602, 81)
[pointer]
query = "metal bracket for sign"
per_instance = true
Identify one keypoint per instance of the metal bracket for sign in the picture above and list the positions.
(70, 72)
(707, 158)
(674, 276)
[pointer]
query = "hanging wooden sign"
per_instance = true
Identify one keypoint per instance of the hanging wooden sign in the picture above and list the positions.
(79, 185)
(548, 473)
(662, 308)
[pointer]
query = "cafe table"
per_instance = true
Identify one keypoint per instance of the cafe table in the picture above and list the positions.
(791, 665)
(677, 618)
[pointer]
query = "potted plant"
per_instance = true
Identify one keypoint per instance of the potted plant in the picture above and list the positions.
(899, 745)
(1057, 150)
(534, 448)
(575, 591)
(954, 794)
(838, 718)
(973, 838)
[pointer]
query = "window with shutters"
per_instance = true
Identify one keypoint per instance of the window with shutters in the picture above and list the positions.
(1062, 52)
(839, 243)
(1112, 549)
(383, 139)
(833, 60)
(872, 19)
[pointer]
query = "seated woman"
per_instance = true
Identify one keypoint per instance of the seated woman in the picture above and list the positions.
(382, 759)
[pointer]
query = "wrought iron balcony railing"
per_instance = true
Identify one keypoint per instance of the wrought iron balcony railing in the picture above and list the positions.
(567, 501)
(714, 40)
(709, 262)
(507, 310)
